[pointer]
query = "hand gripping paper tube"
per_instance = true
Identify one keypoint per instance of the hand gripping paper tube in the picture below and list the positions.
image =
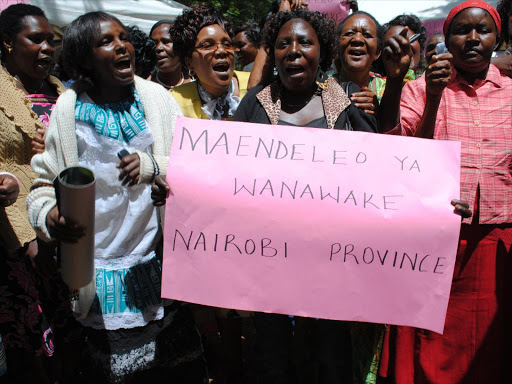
(75, 188)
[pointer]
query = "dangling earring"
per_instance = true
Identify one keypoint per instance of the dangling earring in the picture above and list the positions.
(191, 74)
(321, 78)
(9, 50)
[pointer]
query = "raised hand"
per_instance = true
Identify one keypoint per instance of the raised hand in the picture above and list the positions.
(397, 55)
(438, 74)
(353, 5)
(292, 5)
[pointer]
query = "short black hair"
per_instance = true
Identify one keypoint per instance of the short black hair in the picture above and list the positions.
(145, 55)
(414, 24)
(251, 30)
(188, 25)
(77, 43)
(323, 27)
(504, 8)
(380, 30)
(159, 23)
(11, 20)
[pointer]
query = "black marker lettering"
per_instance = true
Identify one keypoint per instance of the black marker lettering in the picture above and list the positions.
(333, 252)
(265, 246)
(349, 253)
(230, 242)
(193, 145)
(241, 145)
(187, 243)
(224, 139)
(269, 152)
(244, 187)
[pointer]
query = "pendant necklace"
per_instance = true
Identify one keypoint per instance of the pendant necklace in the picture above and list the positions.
(170, 87)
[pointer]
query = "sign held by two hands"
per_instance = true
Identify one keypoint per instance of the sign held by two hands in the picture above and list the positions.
(311, 222)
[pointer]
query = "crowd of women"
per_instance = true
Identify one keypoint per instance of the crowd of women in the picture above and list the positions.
(125, 91)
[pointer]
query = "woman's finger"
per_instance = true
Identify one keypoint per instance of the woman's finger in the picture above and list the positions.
(463, 211)
(368, 108)
(365, 105)
(11, 196)
(161, 183)
(392, 47)
(128, 169)
(128, 159)
(63, 229)
(461, 208)
(442, 64)
(362, 100)
(455, 202)
(127, 165)
(133, 177)
(37, 140)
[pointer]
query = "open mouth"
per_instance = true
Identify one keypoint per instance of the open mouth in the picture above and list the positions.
(356, 52)
(221, 66)
(292, 70)
(472, 52)
(45, 62)
(123, 64)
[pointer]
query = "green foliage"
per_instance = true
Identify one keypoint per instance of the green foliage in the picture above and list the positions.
(239, 11)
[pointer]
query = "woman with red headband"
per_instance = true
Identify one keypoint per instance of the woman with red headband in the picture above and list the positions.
(463, 97)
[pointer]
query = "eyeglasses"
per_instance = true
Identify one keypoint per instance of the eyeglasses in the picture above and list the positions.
(210, 46)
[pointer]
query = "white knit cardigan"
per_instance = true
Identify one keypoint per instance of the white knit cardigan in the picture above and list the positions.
(161, 111)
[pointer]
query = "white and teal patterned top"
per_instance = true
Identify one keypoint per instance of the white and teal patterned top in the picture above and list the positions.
(126, 223)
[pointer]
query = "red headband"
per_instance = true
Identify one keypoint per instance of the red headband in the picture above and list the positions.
(472, 4)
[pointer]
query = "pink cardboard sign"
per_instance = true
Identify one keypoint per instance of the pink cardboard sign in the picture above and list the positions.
(311, 222)
(334, 9)
(6, 3)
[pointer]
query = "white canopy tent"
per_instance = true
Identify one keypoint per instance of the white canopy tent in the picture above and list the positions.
(385, 10)
(143, 13)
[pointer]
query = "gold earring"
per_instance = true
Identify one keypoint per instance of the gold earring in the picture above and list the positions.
(9, 50)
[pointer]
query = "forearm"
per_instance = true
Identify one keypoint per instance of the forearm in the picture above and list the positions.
(39, 203)
(41, 198)
(263, 69)
(151, 167)
(388, 113)
(427, 124)
(17, 230)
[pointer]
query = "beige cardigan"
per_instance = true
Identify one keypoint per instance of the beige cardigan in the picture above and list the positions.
(161, 111)
(18, 125)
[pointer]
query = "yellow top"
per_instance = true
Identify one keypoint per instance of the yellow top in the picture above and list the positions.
(188, 98)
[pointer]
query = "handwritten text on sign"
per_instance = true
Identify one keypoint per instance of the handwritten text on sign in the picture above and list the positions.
(334, 9)
(311, 222)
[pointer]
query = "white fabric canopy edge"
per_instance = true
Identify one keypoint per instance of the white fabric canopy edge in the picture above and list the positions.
(143, 13)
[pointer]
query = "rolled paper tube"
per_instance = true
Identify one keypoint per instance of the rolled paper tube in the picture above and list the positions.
(76, 200)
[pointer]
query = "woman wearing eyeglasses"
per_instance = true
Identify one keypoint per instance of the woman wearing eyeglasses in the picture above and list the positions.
(203, 40)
